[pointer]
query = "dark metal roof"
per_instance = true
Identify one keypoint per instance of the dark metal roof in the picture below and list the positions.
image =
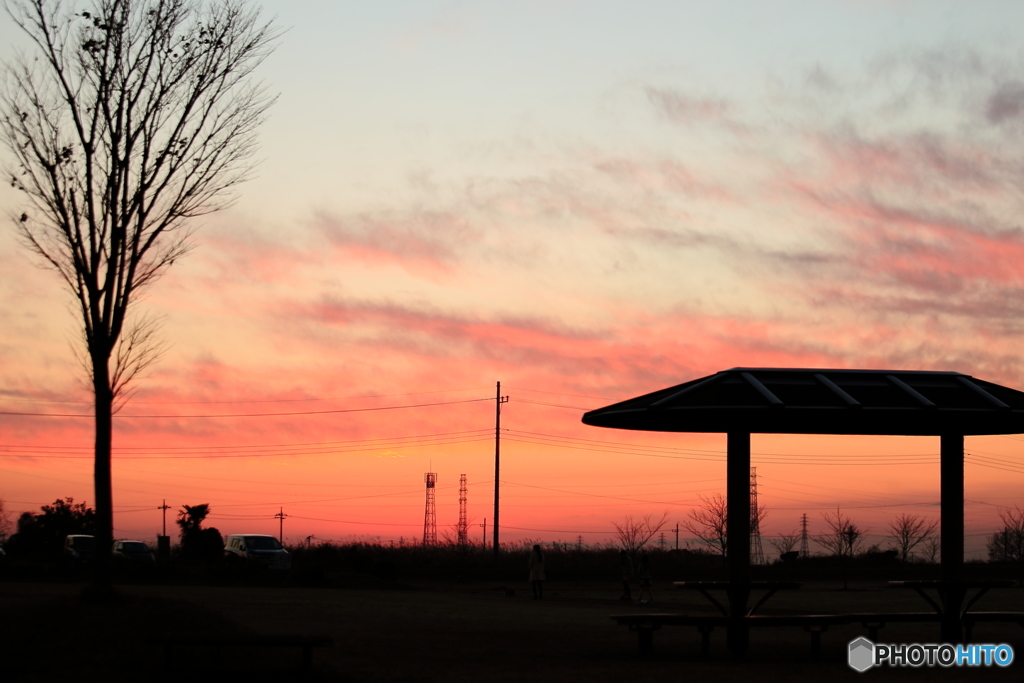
(814, 401)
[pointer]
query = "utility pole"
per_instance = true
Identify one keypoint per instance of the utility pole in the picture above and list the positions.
(484, 525)
(804, 550)
(280, 515)
(677, 535)
(163, 543)
(498, 400)
(165, 507)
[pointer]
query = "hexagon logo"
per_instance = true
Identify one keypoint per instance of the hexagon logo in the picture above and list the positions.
(861, 654)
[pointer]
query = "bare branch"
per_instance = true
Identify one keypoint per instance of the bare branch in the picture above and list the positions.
(844, 538)
(708, 523)
(128, 118)
(785, 543)
(909, 531)
(633, 534)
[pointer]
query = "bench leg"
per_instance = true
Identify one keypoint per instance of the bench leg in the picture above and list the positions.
(705, 640)
(816, 631)
(645, 638)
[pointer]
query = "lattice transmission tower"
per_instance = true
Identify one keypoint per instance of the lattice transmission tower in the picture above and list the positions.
(804, 550)
(463, 523)
(429, 515)
(756, 551)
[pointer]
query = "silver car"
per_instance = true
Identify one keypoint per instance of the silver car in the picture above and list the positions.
(257, 550)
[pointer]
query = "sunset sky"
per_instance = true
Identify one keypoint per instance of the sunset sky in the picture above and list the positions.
(586, 201)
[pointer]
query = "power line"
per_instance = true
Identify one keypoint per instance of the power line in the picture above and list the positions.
(194, 453)
(552, 405)
(220, 415)
(558, 393)
(267, 400)
(435, 435)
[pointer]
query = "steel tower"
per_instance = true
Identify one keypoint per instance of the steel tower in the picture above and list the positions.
(756, 551)
(463, 523)
(429, 516)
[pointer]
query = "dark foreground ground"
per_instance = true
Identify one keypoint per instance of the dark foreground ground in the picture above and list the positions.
(442, 632)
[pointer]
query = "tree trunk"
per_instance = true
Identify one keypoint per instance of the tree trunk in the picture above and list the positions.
(102, 477)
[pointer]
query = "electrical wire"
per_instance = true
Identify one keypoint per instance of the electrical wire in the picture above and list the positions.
(268, 400)
(220, 415)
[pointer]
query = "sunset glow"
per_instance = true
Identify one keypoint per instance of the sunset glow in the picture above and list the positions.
(585, 202)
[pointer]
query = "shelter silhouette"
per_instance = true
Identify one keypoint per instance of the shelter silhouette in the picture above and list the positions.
(742, 401)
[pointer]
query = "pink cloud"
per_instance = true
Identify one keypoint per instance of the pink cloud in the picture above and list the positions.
(685, 109)
(426, 243)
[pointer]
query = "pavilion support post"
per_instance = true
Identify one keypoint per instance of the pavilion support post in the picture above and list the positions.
(951, 534)
(737, 539)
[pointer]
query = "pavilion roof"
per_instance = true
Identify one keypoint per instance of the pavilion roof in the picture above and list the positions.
(821, 401)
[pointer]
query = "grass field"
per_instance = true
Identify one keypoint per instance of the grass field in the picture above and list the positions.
(443, 631)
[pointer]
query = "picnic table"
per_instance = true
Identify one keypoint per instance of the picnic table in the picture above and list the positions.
(739, 622)
(770, 588)
(950, 607)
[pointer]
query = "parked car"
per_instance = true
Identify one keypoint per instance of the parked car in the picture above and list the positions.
(133, 552)
(80, 547)
(257, 550)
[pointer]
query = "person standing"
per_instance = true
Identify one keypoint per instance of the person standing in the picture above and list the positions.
(645, 573)
(626, 566)
(537, 573)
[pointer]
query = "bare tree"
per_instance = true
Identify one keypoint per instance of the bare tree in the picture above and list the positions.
(785, 543)
(5, 522)
(127, 118)
(843, 539)
(909, 531)
(633, 534)
(930, 550)
(1007, 545)
(707, 523)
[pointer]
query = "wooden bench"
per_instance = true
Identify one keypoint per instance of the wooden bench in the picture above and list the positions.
(646, 624)
(217, 643)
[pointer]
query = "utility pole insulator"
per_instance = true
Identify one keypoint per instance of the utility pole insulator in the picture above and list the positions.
(498, 400)
(280, 516)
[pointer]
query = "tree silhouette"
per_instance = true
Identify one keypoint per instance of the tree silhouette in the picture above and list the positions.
(5, 522)
(191, 517)
(785, 543)
(633, 534)
(909, 531)
(708, 522)
(197, 542)
(125, 121)
(43, 534)
(843, 539)
(1007, 544)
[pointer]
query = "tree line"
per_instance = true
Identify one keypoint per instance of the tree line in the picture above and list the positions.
(42, 534)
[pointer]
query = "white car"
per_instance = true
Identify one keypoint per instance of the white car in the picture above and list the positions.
(257, 550)
(79, 547)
